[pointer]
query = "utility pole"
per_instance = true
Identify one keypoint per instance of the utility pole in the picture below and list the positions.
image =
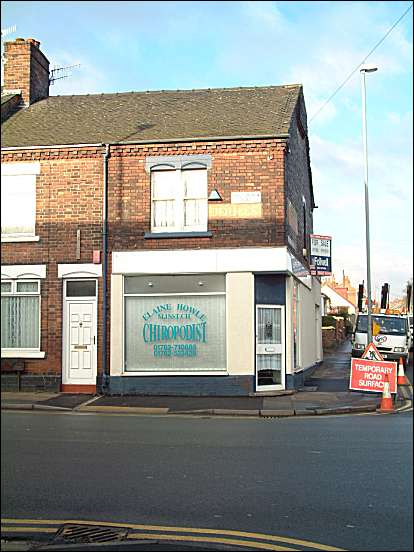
(367, 69)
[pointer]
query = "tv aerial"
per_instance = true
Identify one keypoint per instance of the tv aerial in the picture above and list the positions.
(4, 33)
(58, 73)
(8, 30)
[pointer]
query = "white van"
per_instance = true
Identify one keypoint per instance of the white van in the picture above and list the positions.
(392, 340)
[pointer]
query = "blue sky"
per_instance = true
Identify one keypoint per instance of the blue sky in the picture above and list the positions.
(125, 46)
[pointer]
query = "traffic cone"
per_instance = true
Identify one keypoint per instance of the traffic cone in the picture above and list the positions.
(386, 401)
(402, 378)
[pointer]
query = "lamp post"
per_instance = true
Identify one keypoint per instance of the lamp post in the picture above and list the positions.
(363, 70)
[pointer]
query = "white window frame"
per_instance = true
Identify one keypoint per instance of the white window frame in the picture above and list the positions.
(27, 172)
(179, 201)
(23, 352)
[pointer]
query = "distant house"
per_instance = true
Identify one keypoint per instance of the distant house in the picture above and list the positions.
(343, 287)
(156, 242)
(336, 303)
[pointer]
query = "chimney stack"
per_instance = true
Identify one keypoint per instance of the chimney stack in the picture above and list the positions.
(26, 70)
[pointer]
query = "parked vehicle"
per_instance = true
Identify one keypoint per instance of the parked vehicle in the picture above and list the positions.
(410, 330)
(392, 337)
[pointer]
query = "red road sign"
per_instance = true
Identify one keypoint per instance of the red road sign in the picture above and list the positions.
(372, 353)
(369, 375)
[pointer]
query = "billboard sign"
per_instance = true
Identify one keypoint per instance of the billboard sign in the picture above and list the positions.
(320, 255)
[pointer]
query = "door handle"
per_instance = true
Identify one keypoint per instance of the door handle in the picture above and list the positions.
(94, 340)
(270, 349)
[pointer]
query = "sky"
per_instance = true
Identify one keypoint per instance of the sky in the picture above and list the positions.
(124, 46)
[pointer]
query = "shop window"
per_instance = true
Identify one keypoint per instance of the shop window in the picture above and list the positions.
(179, 200)
(171, 330)
(20, 315)
(296, 325)
(305, 229)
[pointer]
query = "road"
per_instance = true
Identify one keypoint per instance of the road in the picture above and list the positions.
(343, 481)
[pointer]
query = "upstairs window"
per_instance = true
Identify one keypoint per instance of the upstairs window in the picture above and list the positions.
(18, 200)
(292, 217)
(179, 200)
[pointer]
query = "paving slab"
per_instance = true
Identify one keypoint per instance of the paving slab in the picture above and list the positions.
(326, 392)
(66, 400)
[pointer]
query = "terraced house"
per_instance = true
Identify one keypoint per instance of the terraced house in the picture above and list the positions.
(155, 242)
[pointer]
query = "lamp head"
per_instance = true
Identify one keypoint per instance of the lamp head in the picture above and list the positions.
(368, 68)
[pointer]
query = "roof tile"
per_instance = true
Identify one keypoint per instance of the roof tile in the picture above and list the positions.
(153, 115)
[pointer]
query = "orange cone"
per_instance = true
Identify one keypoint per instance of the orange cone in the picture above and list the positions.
(386, 401)
(402, 378)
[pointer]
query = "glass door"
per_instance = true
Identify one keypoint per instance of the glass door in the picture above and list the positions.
(270, 348)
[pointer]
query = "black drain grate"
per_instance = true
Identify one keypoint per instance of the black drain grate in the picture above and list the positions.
(72, 533)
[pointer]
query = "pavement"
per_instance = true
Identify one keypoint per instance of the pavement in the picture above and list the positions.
(325, 392)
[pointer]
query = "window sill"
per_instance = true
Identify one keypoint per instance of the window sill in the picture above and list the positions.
(21, 353)
(6, 239)
(171, 235)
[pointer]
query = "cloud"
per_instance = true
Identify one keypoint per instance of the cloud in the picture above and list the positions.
(265, 13)
(338, 177)
(390, 268)
(86, 79)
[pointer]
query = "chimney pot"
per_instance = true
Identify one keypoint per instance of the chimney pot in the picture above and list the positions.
(34, 42)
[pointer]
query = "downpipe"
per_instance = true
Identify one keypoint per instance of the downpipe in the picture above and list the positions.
(104, 355)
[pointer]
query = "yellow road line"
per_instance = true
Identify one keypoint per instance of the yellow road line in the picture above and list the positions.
(29, 529)
(250, 544)
(225, 532)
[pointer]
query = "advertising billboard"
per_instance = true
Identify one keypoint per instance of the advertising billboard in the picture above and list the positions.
(320, 255)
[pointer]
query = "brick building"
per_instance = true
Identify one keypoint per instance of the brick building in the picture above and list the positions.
(180, 218)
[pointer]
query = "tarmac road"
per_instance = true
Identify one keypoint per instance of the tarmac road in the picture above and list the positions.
(343, 481)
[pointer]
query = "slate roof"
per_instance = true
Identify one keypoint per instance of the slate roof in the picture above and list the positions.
(6, 97)
(153, 115)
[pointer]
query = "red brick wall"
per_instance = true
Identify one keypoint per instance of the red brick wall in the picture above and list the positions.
(236, 166)
(26, 69)
(69, 198)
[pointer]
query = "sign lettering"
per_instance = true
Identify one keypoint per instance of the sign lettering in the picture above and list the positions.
(320, 255)
(169, 339)
(369, 375)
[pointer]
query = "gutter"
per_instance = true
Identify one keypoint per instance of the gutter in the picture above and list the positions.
(105, 372)
(163, 141)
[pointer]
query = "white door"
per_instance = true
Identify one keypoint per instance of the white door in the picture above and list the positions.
(80, 343)
(270, 348)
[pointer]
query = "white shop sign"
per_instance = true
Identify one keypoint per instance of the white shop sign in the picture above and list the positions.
(246, 197)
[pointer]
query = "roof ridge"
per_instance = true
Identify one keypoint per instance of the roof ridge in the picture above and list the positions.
(163, 91)
(155, 115)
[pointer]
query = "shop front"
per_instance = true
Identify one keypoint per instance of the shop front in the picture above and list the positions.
(175, 324)
(220, 331)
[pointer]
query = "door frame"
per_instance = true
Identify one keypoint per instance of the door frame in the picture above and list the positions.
(67, 301)
(282, 385)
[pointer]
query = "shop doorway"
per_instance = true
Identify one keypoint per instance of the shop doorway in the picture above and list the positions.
(270, 347)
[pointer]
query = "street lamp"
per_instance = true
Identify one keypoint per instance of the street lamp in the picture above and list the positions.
(367, 69)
